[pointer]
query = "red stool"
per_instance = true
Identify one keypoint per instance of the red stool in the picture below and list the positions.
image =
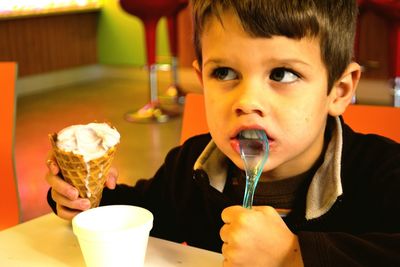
(150, 12)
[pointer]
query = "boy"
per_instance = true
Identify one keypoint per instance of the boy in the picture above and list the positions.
(283, 67)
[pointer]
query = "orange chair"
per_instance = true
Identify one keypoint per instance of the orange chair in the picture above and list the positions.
(365, 119)
(9, 202)
(194, 117)
(374, 119)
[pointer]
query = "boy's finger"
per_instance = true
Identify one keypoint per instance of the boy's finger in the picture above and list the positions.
(112, 178)
(79, 204)
(230, 213)
(111, 182)
(62, 187)
(65, 213)
(57, 183)
(52, 166)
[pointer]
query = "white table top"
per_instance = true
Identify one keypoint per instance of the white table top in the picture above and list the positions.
(49, 241)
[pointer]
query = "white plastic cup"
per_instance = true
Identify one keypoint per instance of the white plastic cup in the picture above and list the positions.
(113, 235)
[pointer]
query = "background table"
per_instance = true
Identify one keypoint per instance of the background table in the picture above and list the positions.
(49, 241)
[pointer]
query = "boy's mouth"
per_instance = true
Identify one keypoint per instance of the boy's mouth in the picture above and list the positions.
(247, 134)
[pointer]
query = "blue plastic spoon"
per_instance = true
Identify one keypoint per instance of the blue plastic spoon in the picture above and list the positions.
(254, 149)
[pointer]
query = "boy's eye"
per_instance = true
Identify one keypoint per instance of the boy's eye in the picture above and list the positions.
(224, 74)
(283, 75)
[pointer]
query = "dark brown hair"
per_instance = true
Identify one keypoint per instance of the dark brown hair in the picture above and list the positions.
(333, 22)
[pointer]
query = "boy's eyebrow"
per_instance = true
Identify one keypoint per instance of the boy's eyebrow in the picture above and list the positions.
(289, 60)
(218, 61)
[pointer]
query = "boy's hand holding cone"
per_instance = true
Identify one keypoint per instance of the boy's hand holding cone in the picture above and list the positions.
(84, 154)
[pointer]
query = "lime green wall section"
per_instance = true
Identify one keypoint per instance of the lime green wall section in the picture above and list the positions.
(121, 37)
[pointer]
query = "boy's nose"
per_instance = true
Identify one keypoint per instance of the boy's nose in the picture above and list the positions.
(249, 101)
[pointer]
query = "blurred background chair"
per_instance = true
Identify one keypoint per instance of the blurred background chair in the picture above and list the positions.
(150, 12)
(365, 119)
(9, 200)
(382, 120)
(174, 93)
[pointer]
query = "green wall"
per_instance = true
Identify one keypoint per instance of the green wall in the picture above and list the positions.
(121, 37)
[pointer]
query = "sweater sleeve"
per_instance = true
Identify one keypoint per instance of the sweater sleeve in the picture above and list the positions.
(51, 202)
(343, 249)
(364, 229)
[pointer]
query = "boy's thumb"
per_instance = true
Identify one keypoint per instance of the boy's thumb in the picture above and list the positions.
(112, 178)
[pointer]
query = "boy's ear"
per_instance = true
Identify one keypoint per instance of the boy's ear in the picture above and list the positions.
(344, 89)
(196, 67)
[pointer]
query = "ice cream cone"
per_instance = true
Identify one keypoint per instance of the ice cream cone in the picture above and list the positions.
(88, 177)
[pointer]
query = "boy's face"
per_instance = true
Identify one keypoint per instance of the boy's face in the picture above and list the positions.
(276, 84)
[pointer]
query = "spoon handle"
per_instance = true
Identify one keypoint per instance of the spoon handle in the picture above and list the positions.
(254, 150)
(251, 183)
(249, 194)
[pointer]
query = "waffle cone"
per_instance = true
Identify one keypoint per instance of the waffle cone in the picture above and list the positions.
(88, 178)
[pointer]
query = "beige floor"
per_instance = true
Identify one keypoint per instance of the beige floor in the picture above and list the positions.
(143, 146)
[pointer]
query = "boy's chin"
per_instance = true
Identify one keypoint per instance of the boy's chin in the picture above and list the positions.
(238, 162)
